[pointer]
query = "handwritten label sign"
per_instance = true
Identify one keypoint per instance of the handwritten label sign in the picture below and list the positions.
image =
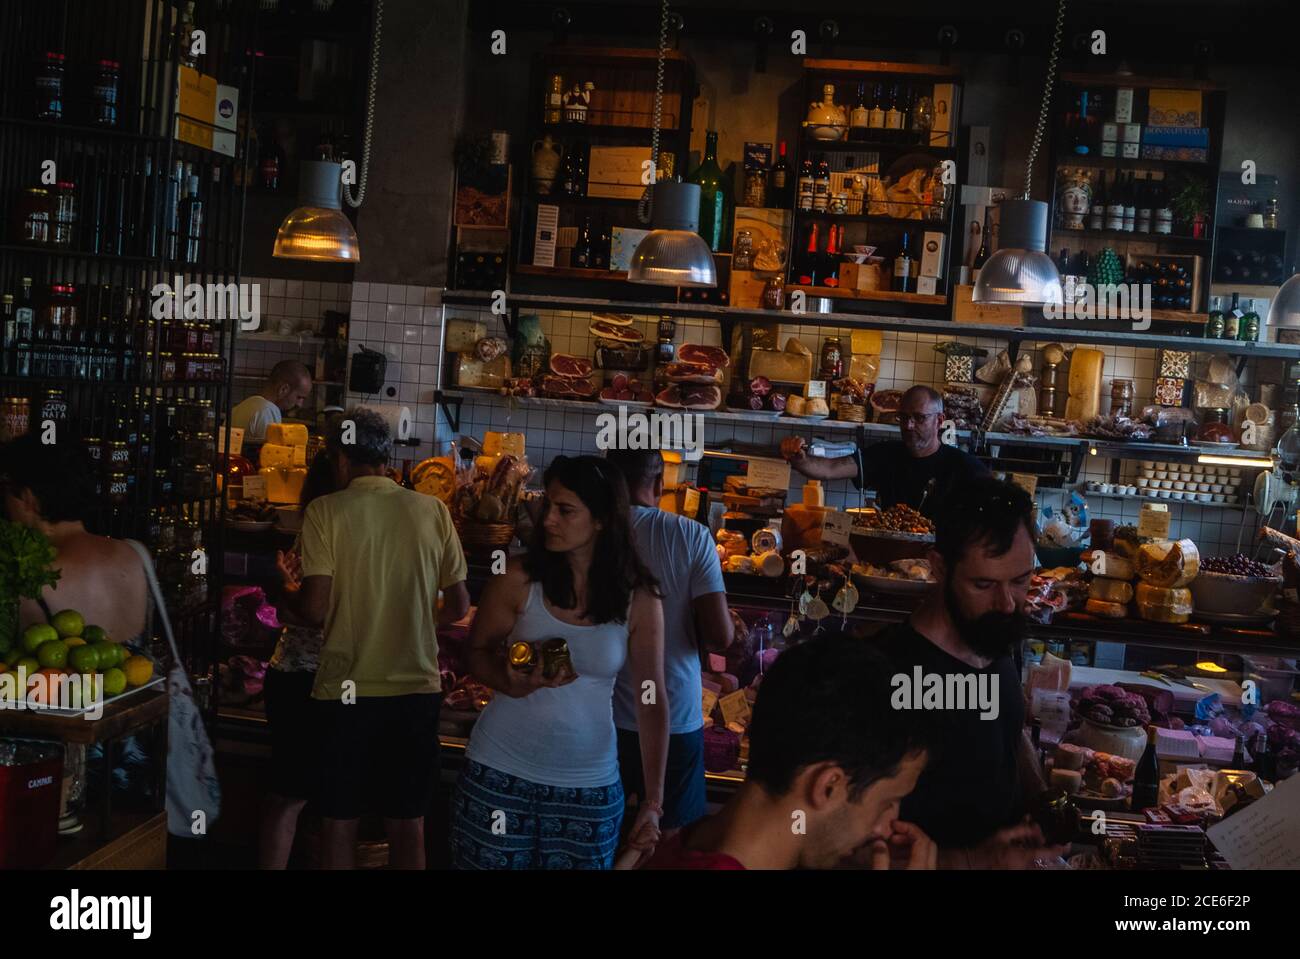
(836, 527)
(1153, 521)
(816, 389)
(735, 707)
(255, 488)
(236, 440)
(768, 473)
(1264, 835)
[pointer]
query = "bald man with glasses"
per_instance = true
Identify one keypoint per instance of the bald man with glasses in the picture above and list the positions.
(916, 469)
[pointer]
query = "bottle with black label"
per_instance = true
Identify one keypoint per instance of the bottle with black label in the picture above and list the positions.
(1143, 222)
(192, 220)
(9, 331)
(905, 270)
(822, 184)
(807, 184)
(1130, 204)
(1146, 778)
(1115, 205)
(1162, 215)
(24, 324)
(1097, 212)
(859, 119)
(778, 195)
(582, 251)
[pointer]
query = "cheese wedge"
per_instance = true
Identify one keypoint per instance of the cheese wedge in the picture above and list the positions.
(1111, 565)
(1159, 604)
(1099, 607)
(287, 434)
(283, 483)
(496, 443)
(1111, 590)
(274, 455)
(1169, 565)
(1084, 401)
(781, 366)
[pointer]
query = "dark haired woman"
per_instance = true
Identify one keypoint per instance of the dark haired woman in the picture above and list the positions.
(540, 788)
(288, 699)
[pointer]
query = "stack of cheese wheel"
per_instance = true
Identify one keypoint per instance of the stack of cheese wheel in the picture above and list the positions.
(283, 462)
(1111, 589)
(1165, 570)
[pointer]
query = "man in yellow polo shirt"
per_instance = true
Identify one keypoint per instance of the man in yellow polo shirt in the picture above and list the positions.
(374, 557)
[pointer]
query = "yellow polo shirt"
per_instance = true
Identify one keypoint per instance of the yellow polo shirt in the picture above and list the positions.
(389, 551)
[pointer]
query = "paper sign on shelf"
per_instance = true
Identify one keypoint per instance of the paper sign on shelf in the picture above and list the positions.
(1153, 521)
(836, 527)
(236, 441)
(815, 389)
(735, 707)
(255, 488)
(1265, 834)
(768, 473)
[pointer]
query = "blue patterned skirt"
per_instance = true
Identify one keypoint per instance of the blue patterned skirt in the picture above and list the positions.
(500, 821)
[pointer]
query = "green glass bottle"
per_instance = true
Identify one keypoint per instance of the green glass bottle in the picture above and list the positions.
(715, 198)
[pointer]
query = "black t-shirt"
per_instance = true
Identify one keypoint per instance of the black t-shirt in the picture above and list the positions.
(970, 788)
(899, 477)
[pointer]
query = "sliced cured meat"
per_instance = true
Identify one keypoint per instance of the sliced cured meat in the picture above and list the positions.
(760, 386)
(644, 396)
(616, 319)
(619, 381)
(562, 364)
(567, 387)
(755, 402)
(670, 397)
(887, 401)
(609, 393)
(697, 397)
(618, 334)
(692, 373)
(696, 353)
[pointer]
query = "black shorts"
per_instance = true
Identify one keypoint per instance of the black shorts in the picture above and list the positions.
(685, 799)
(377, 755)
(294, 748)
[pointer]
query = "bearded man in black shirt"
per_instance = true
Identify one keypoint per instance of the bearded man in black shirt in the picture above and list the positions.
(957, 655)
(916, 469)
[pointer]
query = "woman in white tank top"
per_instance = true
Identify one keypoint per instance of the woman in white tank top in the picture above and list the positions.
(541, 788)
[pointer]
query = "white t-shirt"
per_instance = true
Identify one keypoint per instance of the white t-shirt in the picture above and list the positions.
(253, 416)
(681, 554)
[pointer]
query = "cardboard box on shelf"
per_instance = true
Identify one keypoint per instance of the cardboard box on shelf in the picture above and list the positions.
(943, 129)
(623, 242)
(1174, 108)
(932, 253)
(616, 171)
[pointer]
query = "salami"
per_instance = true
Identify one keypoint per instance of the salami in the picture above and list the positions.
(713, 356)
(760, 386)
(615, 319)
(562, 364)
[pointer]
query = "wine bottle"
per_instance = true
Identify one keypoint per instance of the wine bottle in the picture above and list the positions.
(778, 197)
(1232, 319)
(822, 184)
(193, 220)
(1146, 778)
(893, 117)
(1143, 222)
(807, 275)
(715, 197)
(904, 271)
(1130, 204)
(582, 251)
(859, 119)
(1115, 205)
(905, 134)
(1067, 278)
(1097, 211)
(876, 114)
(1081, 133)
(982, 254)
(807, 184)
(24, 323)
(1162, 214)
(830, 273)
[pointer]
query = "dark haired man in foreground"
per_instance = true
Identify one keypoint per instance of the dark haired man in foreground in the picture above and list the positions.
(829, 762)
(973, 797)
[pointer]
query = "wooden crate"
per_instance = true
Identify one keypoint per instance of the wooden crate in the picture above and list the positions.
(1192, 263)
(966, 310)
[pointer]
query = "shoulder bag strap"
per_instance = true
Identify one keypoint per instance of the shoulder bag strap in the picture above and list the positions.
(147, 562)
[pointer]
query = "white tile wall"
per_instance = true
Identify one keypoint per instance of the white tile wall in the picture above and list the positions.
(404, 322)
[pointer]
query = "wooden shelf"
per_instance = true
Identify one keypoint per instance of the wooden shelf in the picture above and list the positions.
(1248, 290)
(571, 273)
(813, 145)
(881, 66)
(1132, 237)
(136, 840)
(1145, 83)
(883, 296)
(119, 718)
(875, 218)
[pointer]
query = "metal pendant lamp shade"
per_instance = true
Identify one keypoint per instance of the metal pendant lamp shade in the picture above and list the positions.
(317, 229)
(673, 253)
(1021, 273)
(1285, 308)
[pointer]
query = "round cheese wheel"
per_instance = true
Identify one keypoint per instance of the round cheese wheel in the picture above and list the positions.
(1099, 607)
(1111, 590)
(1169, 565)
(794, 406)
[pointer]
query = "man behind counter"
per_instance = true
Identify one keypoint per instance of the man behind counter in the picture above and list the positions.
(288, 385)
(916, 469)
(973, 794)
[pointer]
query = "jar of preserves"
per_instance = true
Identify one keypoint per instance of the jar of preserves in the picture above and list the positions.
(1121, 398)
(196, 481)
(198, 448)
(95, 450)
(153, 529)
(60, 313)
(773, 296)
(118, 491)
(54, 407)
(50, 69)
(33, 215)
(15, 417)
(64, 226)
(117, 456)
(164, 487)
(166, 532)
(742, 257)
(832, 365)
(103, 93)
(167, 373)
(1215, 428)
(207, 339)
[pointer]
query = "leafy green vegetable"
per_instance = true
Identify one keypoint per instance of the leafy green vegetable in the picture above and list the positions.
(26, 567)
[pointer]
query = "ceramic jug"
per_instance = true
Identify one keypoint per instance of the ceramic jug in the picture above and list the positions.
(826, 120)
(545, 165)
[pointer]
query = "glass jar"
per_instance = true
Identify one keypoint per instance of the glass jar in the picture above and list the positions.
(54, 407)
(95, 450)
(196, 481)
(166, 532)
(15, 417)
(153, 530)
(756, 188)
(33, 214)
(198, 448)
(118, 490)
(60, 312)
(839, 203)
(164, 487)
(832, 365)
(64, 226)
(742, 257)
(1121, 398)
(117, 455)
(50, 69)
(103, 93)
(207, 339)
(1215, 428)
(773, 296)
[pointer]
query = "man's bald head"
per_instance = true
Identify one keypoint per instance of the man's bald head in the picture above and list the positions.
(288, 385)
(919, 414)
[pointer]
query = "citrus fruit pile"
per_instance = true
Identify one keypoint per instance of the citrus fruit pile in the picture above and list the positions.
(67, 646)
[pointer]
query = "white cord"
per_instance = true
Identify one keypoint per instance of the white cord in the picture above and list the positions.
(645, 206)
(1048, 88)
(370, 111)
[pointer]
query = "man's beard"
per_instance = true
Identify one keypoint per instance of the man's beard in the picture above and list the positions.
(992, 635)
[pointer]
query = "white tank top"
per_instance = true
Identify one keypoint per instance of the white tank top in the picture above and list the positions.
(562, 736)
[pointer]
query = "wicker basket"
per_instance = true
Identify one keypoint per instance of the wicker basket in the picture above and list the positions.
(474, 535)
(851, 412)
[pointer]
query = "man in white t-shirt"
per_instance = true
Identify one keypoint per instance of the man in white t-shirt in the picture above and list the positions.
(681, 554)
(287, 386)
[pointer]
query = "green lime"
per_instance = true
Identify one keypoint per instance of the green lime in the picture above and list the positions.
(53, 655)
(84, 659)
(68, 622)
(114, 682)
(94, 634)
(37, 634)
(15, 653)
(29, 663)
(107, 653)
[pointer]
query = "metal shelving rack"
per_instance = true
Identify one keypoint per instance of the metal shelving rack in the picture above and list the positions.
(119, 250)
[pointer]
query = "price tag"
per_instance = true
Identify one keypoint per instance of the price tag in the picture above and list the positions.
(1052, 709)
(1153, 521)
(710, 700)
(816, 389)
(836, 527)
(735, 707)
(768, 473)
(255, 488)
(236, 441)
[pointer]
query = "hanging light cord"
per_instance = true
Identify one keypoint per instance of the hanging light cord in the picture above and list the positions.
(1047, 95)
(370, 111)
(645, 206)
